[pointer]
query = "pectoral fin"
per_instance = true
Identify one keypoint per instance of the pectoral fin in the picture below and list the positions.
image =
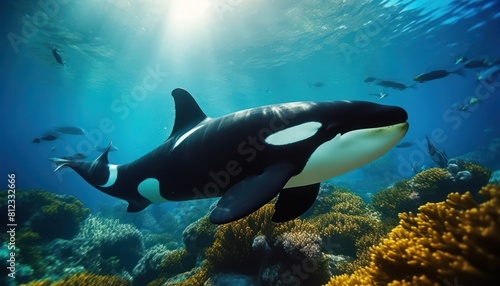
(134, 206)
(248, 195)
(293, 202)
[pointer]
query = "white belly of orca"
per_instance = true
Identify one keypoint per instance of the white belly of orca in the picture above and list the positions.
(347, 152)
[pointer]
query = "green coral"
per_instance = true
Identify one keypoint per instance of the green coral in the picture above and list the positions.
(232, 249)
(431, 185)
(396, 199)
(479, 177)
(30, 250)
(431, 181)
(55, 216)
(338, 200)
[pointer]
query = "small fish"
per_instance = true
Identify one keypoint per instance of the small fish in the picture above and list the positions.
(474, 100)
(404, 145)
(103, 148)
(393, 84)
(76, 156)
(438, 156)
(74, 130)
(50, 137)
(36, 140)
(380, 95)
(489, 75)
(370, 79)
(461, 107)
(317, 84)
(477, 64)
(428, 76)
(58, 57)
(460, 59)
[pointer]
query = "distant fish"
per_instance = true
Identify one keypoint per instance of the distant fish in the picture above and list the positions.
(103, 148)
(437, 74)
(370, 79)
(393, 84)
(74, 130)
(416, 169)
(438, 156)
(317, 84)
(58, 57)
(477, 64)
(460, 59)
(489, 75)
(474, 100)
(460, 107)
(404, 145)
(380, 95)
(76, 156)
(50, 137)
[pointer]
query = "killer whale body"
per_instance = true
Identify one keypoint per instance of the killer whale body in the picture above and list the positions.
(249, 157)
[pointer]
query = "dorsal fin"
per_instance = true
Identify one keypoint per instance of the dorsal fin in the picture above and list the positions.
(103, 158)
(187, 112)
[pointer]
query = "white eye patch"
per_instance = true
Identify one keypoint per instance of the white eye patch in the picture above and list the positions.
(294, 134)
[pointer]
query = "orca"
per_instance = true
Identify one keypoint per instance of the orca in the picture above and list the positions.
(251, 156)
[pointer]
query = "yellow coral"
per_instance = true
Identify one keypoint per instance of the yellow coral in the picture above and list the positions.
(395, 199)
(456, 240)
(340, 200)
(477, 170)
(45, 282)
(233, 241)
(431, 180)
(178, 261)
(84, 279)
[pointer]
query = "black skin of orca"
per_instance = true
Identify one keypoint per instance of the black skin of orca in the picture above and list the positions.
(227, 156)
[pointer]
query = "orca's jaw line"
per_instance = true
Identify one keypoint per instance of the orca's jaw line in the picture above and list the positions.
(347, 152)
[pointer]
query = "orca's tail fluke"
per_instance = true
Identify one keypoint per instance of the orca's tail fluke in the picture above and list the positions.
(60, 163)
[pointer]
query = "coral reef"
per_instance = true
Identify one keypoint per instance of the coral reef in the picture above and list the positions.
(495, 177)
(431, 185)
(103, 246)
(456, 240)
(113, 246)
(199, 235)
(178, 261)
(253, 246)
(342, 219)
(83, 279)
(150, 265)
(30, 250)
(50, 215)
(396, 199)
(295, 257)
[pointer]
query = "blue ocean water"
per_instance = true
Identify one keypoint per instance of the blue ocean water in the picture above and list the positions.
(121, 60)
